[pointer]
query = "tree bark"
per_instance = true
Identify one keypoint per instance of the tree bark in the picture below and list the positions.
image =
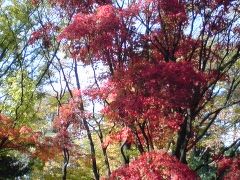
(182, 140)
(66, 161)
(85, 123)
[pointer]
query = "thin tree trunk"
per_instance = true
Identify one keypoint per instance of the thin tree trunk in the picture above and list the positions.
(93, 154)
(106, 160)
(66, 161)
(181, 147)
(104, 150)
(124, 147)
(85, 123)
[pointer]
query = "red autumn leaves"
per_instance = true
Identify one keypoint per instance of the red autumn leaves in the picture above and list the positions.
(26, 140)
(153, 92)
(156, 74)
(154, 165)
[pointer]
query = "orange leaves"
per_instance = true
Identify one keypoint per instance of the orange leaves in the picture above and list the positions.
(25, 130)
(18, 138)
(66, 115)
(124, 135)
(4, 120)
(46, 148)
(24, 139)
(154, 165)
(34, 2)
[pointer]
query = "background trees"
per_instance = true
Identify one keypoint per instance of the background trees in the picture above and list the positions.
(164, 76)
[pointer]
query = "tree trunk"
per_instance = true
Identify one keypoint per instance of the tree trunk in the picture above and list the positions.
(93, 154)
(66, 161)
(182, 140)
(85, 123)
(124, 148)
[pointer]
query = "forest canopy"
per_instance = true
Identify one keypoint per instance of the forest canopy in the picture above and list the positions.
(120, 89)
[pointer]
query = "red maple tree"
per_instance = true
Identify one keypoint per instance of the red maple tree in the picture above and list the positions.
(165, 60)
(25, 140)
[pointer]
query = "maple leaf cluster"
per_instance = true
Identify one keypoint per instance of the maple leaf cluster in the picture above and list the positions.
(69, 120)
(44, 34)
(68, 116)
(103, 21)
(71, 6)
(153, 94)
(96, 35)
(154, 165)
(229, 168)
(26, 140)
(124, 135)
(158, 76)
(19, 138)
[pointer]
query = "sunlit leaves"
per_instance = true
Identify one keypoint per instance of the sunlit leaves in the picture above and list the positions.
(166, 59)
(154, 165)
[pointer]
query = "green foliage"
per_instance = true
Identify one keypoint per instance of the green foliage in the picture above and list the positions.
(199, 161)
(14, 23)
(21, 98)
